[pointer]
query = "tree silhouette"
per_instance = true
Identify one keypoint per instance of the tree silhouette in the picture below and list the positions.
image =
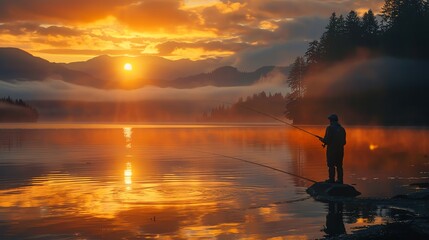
(353, 30)
(296, 76)
(295, 82)
(406, 28)
(21, 112)
(370, 30)
(313, 55)
(239, 111)
(331, 38)
(402, 33)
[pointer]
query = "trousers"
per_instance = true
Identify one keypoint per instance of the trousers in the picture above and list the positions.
(334, 157)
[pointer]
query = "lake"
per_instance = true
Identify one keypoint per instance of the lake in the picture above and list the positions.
(89, 181)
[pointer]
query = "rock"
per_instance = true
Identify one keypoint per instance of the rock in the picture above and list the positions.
(332, 190)
(420, 185)
(420, 195)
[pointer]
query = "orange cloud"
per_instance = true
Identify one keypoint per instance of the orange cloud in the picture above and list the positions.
(91, 52)
(22, 28)
(208, 28)
(59, 11)
(157, 15)
(169, 47)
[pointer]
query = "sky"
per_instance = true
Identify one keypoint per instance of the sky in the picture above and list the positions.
(245, 34)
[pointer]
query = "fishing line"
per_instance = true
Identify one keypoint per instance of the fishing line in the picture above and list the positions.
(260, 164)
(273, 117)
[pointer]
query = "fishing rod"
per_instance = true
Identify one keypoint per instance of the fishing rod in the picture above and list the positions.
(260, 164)
(276, 118)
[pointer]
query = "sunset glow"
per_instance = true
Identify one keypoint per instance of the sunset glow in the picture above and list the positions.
(64, 31)
(213, 119)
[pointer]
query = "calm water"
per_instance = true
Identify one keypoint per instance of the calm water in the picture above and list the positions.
(141, 182)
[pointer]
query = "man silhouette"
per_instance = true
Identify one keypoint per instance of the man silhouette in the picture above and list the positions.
(334, 139)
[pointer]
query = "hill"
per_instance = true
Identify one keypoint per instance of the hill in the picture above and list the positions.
(147, 70)
(227, 77)
(107, 72)
(18, 65)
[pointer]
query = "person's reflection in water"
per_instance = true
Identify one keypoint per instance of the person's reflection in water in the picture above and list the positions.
(334, 220)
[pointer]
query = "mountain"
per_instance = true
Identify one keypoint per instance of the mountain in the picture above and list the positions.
(227, 77)
(147, 70)
(18, 65)
(108, 72)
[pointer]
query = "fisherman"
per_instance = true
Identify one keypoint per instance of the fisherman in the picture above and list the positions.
(334, 139)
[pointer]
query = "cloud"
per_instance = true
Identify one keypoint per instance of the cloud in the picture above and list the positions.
(157, 15)
(169, 47)
(280, 54)
(20, 28)
(295, 8)
(298, 29)
(90, 52)
(59, 11)
(58, 31)
(170, 28)
(225, 23)
(262, 9)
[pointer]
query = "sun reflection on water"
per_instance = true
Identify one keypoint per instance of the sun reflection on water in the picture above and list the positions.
(128, 173)
(128, 132)
(139, 182)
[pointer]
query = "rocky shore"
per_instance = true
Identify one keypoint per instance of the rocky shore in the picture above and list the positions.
(412, 221)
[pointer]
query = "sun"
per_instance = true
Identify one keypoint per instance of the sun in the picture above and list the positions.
(128, 67)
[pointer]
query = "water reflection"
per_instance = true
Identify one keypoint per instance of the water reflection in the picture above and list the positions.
(128, 172)
(154, 182)
(128, 132)
(334, 220)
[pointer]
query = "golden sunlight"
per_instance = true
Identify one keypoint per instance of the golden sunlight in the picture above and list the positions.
(128, 67)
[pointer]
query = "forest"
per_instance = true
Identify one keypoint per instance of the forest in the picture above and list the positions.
(16, 111)
(368, 69)
(244, 109)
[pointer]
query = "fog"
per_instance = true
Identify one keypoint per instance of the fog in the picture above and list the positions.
(52, 89)
(367, 90)
(57, 100)
(362, 90)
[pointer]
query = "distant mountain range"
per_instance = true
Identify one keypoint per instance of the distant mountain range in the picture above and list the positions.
(107, 72)
(18, 65)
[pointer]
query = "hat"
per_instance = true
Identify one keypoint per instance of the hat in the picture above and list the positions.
(333, 117)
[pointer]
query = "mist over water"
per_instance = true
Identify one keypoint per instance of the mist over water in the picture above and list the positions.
(367, 90)
(118, 181)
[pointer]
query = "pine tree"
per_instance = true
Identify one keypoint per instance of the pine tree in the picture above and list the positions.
(370, 30)
(353, 30)
(329, 37)
(400, 12)
(405, 28)
(296, 76)
(333, 39)
(313, 55)
(295, 82)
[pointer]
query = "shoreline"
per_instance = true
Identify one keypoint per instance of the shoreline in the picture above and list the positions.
(412, 220)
